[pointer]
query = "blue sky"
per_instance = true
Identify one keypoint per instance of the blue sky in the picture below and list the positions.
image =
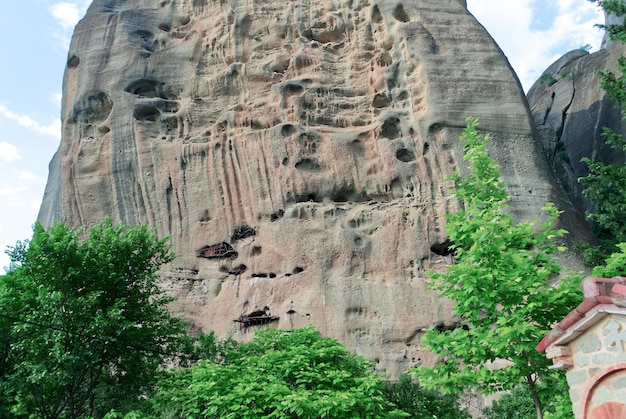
(35, 34)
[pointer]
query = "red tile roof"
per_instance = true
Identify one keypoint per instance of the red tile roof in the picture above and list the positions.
(597, 291)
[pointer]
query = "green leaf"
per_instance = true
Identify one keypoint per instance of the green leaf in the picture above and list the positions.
(499, 285)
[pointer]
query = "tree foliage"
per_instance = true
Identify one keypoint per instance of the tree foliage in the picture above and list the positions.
(499, 285)
(516, 404)
(84, 325)
(279, 374)
(421, 403)
(616, 31)
(615, 264)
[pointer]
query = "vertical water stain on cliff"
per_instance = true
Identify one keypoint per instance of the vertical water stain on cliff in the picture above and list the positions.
(310, 140)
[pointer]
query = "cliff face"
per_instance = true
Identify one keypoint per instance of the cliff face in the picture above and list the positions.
(295, 152)
(570, 110)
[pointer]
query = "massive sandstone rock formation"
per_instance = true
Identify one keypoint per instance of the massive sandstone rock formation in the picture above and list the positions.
(570, 110)
(295, 152)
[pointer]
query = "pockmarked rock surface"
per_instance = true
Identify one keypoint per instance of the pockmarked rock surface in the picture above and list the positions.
(295, 152)
(570, 111)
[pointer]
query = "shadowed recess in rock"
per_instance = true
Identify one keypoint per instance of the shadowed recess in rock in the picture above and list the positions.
(221, 250)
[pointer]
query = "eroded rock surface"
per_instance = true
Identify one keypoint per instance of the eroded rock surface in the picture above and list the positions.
(295, 152)
(570, 110)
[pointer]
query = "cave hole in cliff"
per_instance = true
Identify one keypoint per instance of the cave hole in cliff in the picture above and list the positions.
(256, 250)
(237, 270)
(298, 270)
(221, 250)
(293, 89)
(377, 17)
(92, 107)
(165, 27)
(144, 88)
(390, 128)
(400, 15)
(443, 327)
(308, 165)
(341, 196)
(445, 248)
(405, 155)
(287, 130)
(425, 148)
(311, 197)
(147, 113)
(143, 39)
(73, 61)
(241, 232)
(277, 215)
(381, 100)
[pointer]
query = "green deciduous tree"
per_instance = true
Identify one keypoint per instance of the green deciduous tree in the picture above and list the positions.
(279, 374)
(84, 325)
(614, 265)
(499, 286)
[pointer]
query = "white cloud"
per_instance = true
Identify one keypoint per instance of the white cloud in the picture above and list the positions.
(12, 195)
(67, 14)
(57, 98)
(8, 152)
(530, 50)
(26, 175)
(53, 129)
(35, 205)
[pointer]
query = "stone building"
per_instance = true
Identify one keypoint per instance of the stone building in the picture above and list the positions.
(590, 344)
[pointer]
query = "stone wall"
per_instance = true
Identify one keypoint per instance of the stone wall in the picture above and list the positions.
(597, 378)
